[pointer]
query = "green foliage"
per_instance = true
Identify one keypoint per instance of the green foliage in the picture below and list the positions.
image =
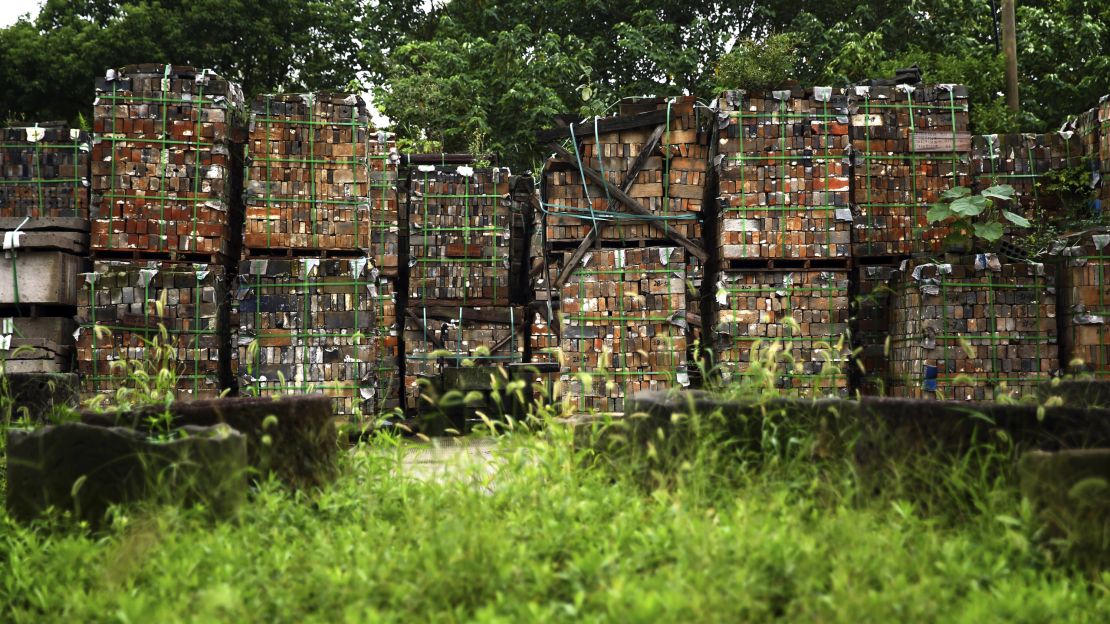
(463, 92)
(758, 64)
(978, 216)
(541, 526)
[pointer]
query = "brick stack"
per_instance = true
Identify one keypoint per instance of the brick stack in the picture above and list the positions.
(44, 222)
(804, 312)
(459, 308)
(910, 144)
(1085, 305)
(437, 337)
(44, 172)
(161, 163)
(784, 178)
(1020, 160)
(122, 307)
(163, 194)
(317, 290)
(670, 183)
(459, 236)
(871, 326)
(307, 325)
(624, 326)
(976, 329)
(316, 168)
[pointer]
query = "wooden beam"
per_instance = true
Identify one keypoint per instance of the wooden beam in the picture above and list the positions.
(436, 342)
(626, 183)
(631, 204)
(608, 124)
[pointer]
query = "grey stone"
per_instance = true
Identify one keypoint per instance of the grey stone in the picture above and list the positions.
(85, 469)
(293, 438)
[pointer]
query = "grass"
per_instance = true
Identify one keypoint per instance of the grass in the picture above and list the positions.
(557, 531)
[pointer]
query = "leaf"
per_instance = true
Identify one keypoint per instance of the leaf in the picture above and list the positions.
(1016, 219)
(956, 240)
(938, 212)
(956, 192)
(1004, 192)
(989, 231)
(969, 206)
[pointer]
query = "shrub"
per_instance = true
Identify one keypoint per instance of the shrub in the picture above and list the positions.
(756, 64)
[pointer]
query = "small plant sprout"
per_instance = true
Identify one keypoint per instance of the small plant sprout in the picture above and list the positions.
(981, 216)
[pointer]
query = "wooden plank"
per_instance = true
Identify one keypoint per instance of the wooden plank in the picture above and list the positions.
(940, 141)
(610, 124)
(633, 205)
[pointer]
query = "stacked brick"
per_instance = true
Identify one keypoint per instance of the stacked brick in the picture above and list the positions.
(317, 292)
(452, 336)
(161, 162)
(44, 227)
(44, 172)
(910, 144)
(801, 314)
(670, 184)
(163, 195)
(624, 326)
(1085, 305)
(319, 178)
(307, 325)
(977, 329)
(1020, 160)
(122, 309)
(459, 224)
(784, 176)
(459, 309)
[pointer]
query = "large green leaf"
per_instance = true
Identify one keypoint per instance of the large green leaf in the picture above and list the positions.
(989, 231)
(1016, 219)
(1004, 192)
(956, 192)
(969, 206)
(938, 212)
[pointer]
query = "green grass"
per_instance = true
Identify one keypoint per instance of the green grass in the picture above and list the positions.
(693, 532)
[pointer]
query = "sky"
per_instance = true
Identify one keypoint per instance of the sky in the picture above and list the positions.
(10, 10)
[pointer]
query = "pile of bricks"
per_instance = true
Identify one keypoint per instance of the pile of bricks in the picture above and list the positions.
(44, 226)
(164, 189)
(1021, 160)
(123, 308)
(1085, 304)
(438, 337)
(975, 329)
(910, 144)
(669, 179)
(315, 170)
(162, 163)
(43, 172)
(307, 325)
(624, 325)
(459, 235)
(459, 309)
(784, 177)
(803, 314)
(317, 296)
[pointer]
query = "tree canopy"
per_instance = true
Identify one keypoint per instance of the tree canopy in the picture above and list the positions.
(485, 74)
